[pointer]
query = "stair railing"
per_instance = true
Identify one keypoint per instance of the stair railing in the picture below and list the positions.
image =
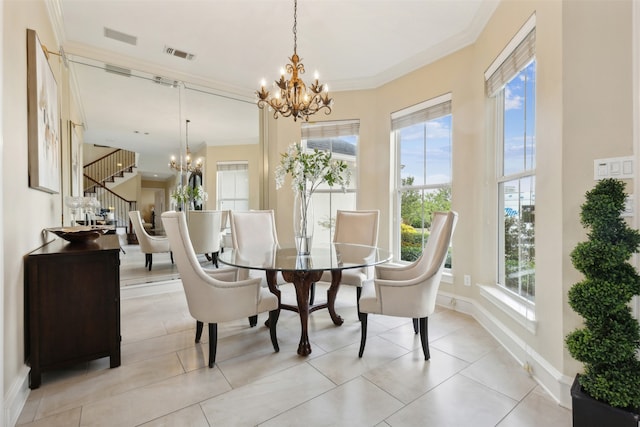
(114, 202)
(107, 168)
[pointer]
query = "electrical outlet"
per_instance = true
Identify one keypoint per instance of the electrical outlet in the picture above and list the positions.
(467, 280)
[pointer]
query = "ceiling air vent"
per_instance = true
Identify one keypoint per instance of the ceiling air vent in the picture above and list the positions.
(121, 37)
(165, 81)
(179, 53)
(117, 70)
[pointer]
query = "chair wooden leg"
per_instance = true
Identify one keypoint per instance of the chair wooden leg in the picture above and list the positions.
(273, 320)
(312, 293)
(424, 337)
(146, 260)
(363, 332)
(214, 258)
(199, 326)
(171, 255)
(416, 328)
(253, 320)
(213, 343)
(149, 260)
(358, 293)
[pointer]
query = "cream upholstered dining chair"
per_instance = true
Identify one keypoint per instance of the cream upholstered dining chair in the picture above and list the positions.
(149, 245)
(411, 290)
(224, 226)
(204, 230)
(215, 296)
(359, 227)
(254, 230)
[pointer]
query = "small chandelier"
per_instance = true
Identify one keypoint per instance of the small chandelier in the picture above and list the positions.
(186, 166)
(294, 98)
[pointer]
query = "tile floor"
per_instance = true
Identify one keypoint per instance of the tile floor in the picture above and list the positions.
(163, 380)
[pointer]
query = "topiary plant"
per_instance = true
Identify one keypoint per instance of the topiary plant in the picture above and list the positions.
(609, 341)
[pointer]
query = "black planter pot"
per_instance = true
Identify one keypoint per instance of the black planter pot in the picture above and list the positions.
(589, 412)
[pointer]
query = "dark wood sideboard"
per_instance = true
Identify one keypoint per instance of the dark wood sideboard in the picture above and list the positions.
(72, 304)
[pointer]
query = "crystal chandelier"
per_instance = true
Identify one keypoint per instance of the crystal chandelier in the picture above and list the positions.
(186, 166)
(293, 97)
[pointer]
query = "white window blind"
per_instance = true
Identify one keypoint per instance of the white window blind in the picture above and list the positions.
(233, 166)
(512, 60)
(330, 129)
(400, 120)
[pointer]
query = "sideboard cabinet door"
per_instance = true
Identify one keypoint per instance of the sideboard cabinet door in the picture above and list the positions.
(72, 305)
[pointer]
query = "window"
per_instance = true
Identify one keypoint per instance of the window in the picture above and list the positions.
(422, 137)
(341, 138)
(233, 186)
(513, 88)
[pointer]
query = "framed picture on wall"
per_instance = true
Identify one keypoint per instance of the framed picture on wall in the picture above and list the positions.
(43, 119)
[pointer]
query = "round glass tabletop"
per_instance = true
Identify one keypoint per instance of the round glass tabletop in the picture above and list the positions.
(337, 256)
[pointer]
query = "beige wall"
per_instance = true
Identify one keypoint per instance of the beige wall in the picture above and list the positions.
(130, 189)
(91, 153)
(578, 69)
(597, 114)
(3, 411)
(31, 210)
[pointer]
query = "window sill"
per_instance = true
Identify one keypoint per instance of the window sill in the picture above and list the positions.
(515, 309)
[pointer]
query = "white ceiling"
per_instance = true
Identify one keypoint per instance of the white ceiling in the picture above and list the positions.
(353, 44)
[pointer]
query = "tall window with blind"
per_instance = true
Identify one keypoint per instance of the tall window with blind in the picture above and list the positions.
(511, 84)
(341, 139)
(233, 186)
(422, 135)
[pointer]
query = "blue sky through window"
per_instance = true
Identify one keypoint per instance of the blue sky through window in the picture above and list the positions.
(425, 152)
(519, 120)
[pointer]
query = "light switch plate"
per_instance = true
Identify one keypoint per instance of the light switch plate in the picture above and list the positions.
(613, 167)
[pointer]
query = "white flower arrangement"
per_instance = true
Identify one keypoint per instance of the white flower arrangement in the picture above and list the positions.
(186, 194)
(199, 195)
(310, 169)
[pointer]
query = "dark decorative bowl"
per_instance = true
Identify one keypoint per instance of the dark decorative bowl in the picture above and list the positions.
(78, 234)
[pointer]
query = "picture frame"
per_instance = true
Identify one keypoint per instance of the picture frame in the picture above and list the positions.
(44, 138)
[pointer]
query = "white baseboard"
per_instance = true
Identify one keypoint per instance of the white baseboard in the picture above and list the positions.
(16, 397)
(553, 381)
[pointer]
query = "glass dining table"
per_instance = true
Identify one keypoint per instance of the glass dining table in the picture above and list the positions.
(305, 270)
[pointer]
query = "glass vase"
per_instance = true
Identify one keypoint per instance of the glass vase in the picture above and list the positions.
(303, 221)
